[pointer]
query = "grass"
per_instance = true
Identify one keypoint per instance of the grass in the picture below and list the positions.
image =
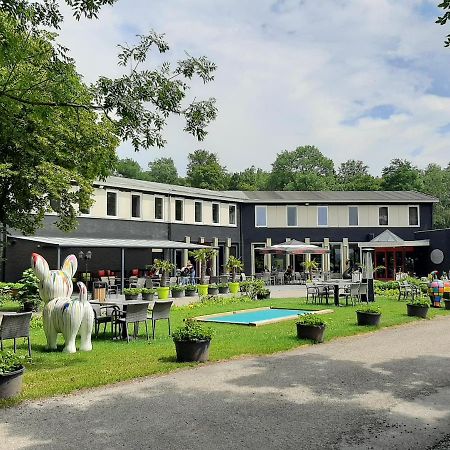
(53, 373)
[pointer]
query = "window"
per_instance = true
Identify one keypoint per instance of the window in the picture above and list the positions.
(178, 210)
(159, 203)
(260, 216)
(322, 216)
(292, 216)
(414, 215)
(383, 215)
(353, 219)
(84, 211)
(215, 213)
(198, 211)
(111, 204)
(135, 205)
(232, 214)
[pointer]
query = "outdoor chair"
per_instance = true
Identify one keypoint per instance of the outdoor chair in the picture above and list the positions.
(135, 314)
(266, 278)
(311, 293)
(363, 290)
(160, 310)
(352, 294)
(323, 292)
(138, 283)
(279, 279)
(103, 315)
(172, 281)
(15, 325)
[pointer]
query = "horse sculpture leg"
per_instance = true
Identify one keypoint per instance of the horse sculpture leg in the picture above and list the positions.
(71, 315)
(86, 330)
(49, 329)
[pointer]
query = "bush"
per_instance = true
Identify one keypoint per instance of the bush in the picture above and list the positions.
(178, 288)
(29, 292)
(251, 288)
(192, 331)
(132, 291)
(10, 362)
(222, 285)
(190, 287)
(372, 309)
(147, 291)
(311, 319)
(420, 302)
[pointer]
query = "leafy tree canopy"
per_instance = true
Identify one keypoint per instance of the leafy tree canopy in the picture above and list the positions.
(204, 171)
(401, 175)
(163, 170)
(251, 179)
(129, 168)
(353, 175)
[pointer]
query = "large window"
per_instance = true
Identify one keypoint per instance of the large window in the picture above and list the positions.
(414, 215)
(198, 212)
(215, 213)
(135, 205)
(353, 216)
(232, 214)
(111, 204)
(291, 216)
(322, 216)
(335, 258)
(159, 210)
(261, 216)
(178, 210)
(383, 215)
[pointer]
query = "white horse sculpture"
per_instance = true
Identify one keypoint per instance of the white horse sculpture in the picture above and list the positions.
(62, 314)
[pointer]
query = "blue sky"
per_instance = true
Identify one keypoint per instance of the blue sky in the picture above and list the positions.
(361, 79)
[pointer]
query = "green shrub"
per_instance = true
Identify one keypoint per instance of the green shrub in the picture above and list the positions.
(132, 291)
(251, 288)
(190, 287)
(222, 285)
(213, 286)
(312, 319)
(192, 331)
(10, 362)
(371, 309)
(420, 302)
(29, 292)
(178, 288)
(148, 291)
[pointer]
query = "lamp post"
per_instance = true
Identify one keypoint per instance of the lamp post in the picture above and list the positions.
(86, 257)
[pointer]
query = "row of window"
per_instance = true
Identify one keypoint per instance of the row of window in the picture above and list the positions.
(136, 209)
(322, 216)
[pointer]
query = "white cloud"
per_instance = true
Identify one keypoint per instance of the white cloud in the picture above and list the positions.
(294, 77)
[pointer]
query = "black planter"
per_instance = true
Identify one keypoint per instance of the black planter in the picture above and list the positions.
(224, 290)
(447, 304)
(213, 291)
(367, 318)
(177, 294)
(314, 332)
(28, 307)
(189, 293)
(131, 297)
(11, 383)
(418, 310)
(262, 296)
(148, 297)
(188, 351)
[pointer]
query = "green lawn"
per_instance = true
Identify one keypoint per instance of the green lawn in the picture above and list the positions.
(110, 361)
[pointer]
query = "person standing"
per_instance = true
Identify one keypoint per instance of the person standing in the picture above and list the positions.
(191, 270)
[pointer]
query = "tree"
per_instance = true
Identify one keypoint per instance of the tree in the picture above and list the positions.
(445, 5)
(163, 170)
(202, 256)
(251, 179)
(204, 171)
(353, 175)
(401, 175)
(129, 168)
(305, 168)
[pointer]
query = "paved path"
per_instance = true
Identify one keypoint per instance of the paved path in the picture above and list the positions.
(389, 389)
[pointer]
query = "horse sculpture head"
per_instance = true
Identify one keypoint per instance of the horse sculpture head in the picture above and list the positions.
(54, 283)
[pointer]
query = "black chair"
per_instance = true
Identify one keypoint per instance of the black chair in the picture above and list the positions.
(135, 313)
(15, 325)
(161, 310)
(103, 315)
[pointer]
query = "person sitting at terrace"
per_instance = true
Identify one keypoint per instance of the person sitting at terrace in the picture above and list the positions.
(288, 275)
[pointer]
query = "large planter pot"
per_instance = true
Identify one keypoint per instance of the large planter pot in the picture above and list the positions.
(163, 292)
(131, 297)
(189, 293)
(224, 290)
(148, 297)
(188, 351)
(447, 304)
(234, 288)
(202, 289)
(177, 294)
(262, 296)
(213, 290)
(11, 383)
(417, 311)
(28, 307)
(314, 332)
(367, 318)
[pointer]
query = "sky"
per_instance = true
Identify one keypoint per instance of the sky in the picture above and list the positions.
(359, 79)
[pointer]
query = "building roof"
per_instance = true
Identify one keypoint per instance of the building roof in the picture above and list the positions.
(267, 197)
(388, 239)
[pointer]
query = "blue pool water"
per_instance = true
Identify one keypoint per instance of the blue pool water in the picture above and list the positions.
(257, 317)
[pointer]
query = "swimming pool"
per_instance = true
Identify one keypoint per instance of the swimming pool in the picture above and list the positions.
(258, 316)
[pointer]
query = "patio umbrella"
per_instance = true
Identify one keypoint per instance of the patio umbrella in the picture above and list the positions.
(367, 273)
(293, 247)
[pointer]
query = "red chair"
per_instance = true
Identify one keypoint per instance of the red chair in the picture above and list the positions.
(134, 272)
(101, 273)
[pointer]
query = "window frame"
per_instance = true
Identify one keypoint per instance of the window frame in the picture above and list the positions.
(357, 216)
(380, 224)
(162, 198)
(218, 213)
(175, 210)
(201, 211)
(319, 207)
(232, 205)
(256, 215)
(110, 191)
(139, 195)
(287, 216)
(418, 215)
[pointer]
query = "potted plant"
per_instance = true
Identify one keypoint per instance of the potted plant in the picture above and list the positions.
(192, 342)
(309, 266)
(213, 289)
(418, 307)
(148, 294)
(202, 256)
(28, 294)
(163, 266)
(131, 293)
(223, 288)
(177, 290)
(190, 290)
(369, 315)
(234, 265)
(262, 293)
(311, 326)
(11, 374)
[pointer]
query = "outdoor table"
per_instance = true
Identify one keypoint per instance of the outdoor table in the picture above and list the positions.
(338, 283)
